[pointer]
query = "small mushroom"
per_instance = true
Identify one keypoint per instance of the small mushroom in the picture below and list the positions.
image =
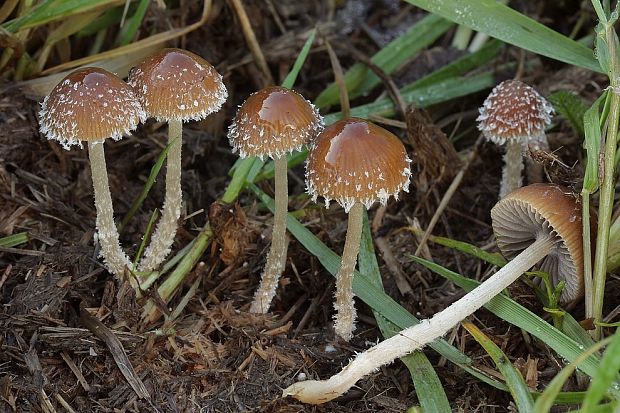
(272, 123)
(516, 115)
(174, 86)
(540, 223)
(355, 163)
(92, 105)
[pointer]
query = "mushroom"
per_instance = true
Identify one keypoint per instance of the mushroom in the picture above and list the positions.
(92, 105)
(540, 223)
(355, 163)
(174, 86)
(516, 115)
(272, 123)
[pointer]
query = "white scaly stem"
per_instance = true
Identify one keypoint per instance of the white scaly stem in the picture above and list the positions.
(513, 168)
(113, 256)
(344, 319)
(276, 258)
(163, 237)
(415, 337)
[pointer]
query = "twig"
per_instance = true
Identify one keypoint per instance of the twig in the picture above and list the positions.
(250, 38)
(345, 106)
(118, 352)
(448, 195)
(76, 371)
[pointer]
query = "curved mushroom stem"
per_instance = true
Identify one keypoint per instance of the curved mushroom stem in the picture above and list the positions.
(115, 259)
(513, 167)
(415, 337)
(345, 307)
(276, 259)
(163, 237)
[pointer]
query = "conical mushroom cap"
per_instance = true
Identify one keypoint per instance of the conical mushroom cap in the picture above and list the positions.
(354, 160)
(514, 111)
(540, 210)
(175, 84)
(273, 122)
(90, 104)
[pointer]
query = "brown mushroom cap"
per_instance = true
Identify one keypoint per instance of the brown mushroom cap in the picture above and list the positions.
(539, 210)
(354, 160)
(273, 122)
(175, 84)
(90, 104)
(515, 111)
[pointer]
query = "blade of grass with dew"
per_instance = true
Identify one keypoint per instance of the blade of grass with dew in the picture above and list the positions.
(571, 107)
(52, 10)
(502, 22)
(372, 296)
(423, 96)
(509, 310)
(360, 79)
(129, 30)
(548, 398)
(429, 390)
(518, 389)
(570, 326)
(14, 240)
(137, 203)
(245, 170)
(592, 144)
(607, 372)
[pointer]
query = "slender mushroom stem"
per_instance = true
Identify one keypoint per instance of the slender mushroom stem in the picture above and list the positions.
(276, 259)
(511, 174)
(415, 337)
(345, 307)
(115, 259)
(163, 237)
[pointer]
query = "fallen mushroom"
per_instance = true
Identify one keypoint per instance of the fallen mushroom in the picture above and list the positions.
(540, 223)
(272, 123)
(355, 163)
(516, 115)
(174, 86)
(92, 105)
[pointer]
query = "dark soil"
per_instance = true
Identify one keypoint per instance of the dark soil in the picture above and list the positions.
(216, 357)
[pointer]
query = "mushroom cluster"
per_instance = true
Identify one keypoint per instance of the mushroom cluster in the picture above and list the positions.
(92, 105)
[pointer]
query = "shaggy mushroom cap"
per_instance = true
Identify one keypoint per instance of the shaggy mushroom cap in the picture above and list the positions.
(175, 84)
(540, 210)
(354, 160)
(273, 122)
(514, 111)
(90, 104)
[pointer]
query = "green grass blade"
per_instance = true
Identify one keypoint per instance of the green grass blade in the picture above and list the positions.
(548, 398)
(509, 310)
(360, 79)
(14, 240)
(137, 203)
(518, 389)
(290, 79)
(52, 10)
(371, 295)
(422, 96)
(502, 22)
(428, 387)
(604, 408)
(128, 32)
(607, 372)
